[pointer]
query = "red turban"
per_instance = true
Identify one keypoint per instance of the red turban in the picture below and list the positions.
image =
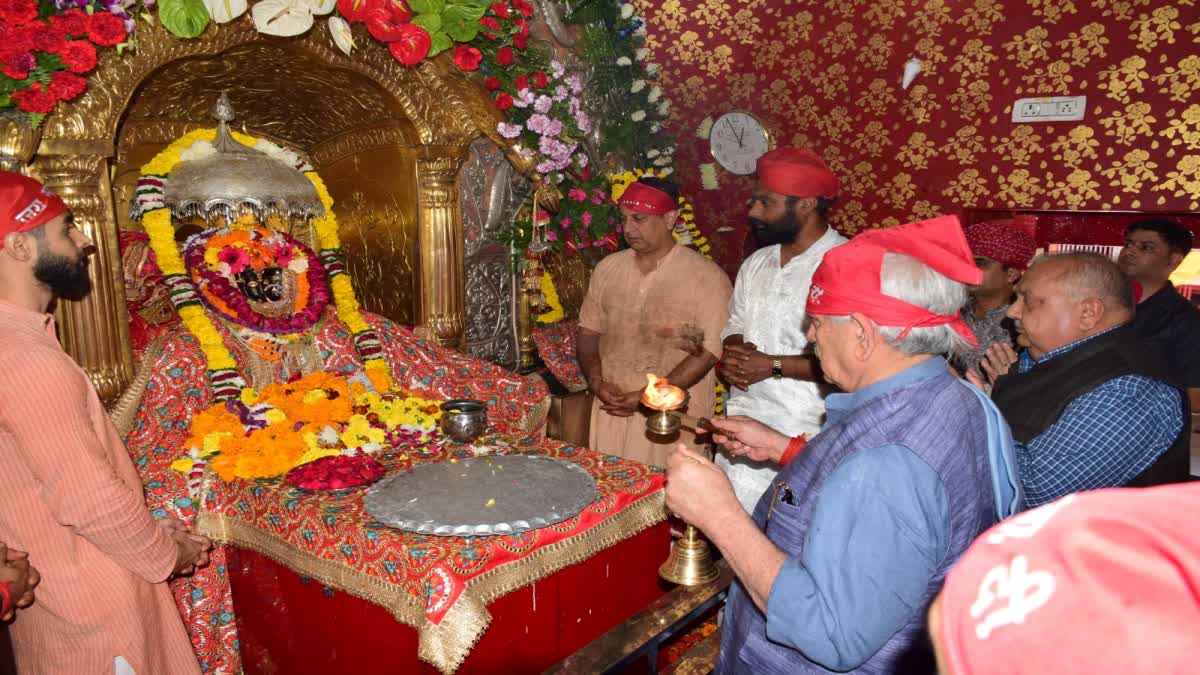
(642, 198)
(1098, 582)
(847, 281)
(796, 173)
(1003, 242)
(25, 204)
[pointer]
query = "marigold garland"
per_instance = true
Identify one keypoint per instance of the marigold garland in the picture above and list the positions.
(686, 231)
(156, 219)
(550, 293)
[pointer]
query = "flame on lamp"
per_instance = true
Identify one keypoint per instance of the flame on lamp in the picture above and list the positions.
(662, 395)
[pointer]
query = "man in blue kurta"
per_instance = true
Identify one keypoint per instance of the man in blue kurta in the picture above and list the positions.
(844, 553)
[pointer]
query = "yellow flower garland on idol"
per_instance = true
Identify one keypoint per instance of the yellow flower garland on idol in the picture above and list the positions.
(156, 219)
(550, 293)
(690, 234)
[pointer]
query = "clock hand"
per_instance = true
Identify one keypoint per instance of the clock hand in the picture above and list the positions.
(740, 133)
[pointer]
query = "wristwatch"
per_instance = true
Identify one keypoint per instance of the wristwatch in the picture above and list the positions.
(777, 368)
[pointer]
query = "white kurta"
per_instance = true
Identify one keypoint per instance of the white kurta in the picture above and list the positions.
(767, 309)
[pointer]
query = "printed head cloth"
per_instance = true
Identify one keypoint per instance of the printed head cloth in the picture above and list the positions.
(847, 281)
(1002, 241)
(796, 173)
(642, 198)
(1098, 582)
(25, 204)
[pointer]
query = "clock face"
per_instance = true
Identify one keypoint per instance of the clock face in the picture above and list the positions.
(737, 140)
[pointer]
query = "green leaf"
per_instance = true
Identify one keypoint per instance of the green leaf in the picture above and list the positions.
(430, 22)
(441, 42)
(427, 6)
(472, 12)
(480, 5)
(459, 23)
(183, 18)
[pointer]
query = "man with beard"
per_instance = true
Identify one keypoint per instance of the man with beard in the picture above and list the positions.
(766, 355)
(654, 308)
(72, 498)
(1154, 248)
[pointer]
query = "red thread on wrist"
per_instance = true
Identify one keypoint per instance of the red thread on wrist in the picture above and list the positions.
(794, 447)
(5, 598)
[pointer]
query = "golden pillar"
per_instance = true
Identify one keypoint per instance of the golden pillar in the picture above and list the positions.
(95, 330)
(442, 310)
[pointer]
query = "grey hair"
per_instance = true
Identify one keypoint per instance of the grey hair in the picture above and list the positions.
(905, 278)
(1087, 275)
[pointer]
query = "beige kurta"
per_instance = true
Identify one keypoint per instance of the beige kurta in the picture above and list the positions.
(71, 498)
(646, 322)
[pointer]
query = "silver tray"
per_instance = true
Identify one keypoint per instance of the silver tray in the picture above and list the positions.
(526, 492)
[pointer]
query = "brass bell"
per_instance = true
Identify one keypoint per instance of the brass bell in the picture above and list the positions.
(690, 563)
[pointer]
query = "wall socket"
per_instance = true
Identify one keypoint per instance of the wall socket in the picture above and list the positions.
(1054, 109)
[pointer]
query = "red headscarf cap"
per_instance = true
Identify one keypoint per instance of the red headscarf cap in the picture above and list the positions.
(847, 280)
(1098, 582)
(796, 173)
(642, 198)
(1002, 241)
(25, 204)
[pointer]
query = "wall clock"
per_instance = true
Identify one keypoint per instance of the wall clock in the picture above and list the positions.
(737, 140)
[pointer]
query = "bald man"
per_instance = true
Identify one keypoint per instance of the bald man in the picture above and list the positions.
(1089, 405)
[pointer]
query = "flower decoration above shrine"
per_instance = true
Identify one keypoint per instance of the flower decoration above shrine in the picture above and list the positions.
(265, 434)
(547, 122)
(45, 54)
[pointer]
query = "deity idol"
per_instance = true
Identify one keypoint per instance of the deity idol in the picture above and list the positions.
(255, 311)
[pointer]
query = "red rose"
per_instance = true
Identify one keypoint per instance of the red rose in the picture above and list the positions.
(491, 83)
(412, 45)
(467, 57)
(501, 9)
(78, 55)
(522, 82)
(65, 86)
(387, 24)
(73, 22)
(503, 101)
(489, 23)
(47, 39)
(106, 29)
(539, 80)
(504, 56)
(520, 41)
(34, 99)
(355, 10)
(523, 7)
(18, 12)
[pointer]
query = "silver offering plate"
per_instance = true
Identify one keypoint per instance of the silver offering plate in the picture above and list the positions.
(480, 496)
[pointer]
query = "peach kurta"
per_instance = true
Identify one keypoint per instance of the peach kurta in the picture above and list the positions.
(69, 495)
(646, 322)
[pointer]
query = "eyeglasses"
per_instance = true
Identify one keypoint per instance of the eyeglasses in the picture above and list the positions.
(782, 492)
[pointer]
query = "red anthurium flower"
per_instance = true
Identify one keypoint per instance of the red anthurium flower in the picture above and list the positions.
(501, 9)
(491, 83)
(412, 45)
(355, 10)
(489, 23)
(539, 80)
(386, 24)
(467, 57)
(522, 82)
(503, 101)
(504, 56)
(523, 7)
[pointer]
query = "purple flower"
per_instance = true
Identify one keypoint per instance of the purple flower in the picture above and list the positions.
(554, 128)
(583, 122)
(574, 83)
(509, 130)
(542, 104)
(560, 92)
(537, 123)
(544, 167)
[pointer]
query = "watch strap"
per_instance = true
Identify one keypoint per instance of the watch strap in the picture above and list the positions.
(777, 368)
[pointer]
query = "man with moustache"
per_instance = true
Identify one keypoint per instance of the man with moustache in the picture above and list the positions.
(654, 308)
(766, 355)
(72, 498)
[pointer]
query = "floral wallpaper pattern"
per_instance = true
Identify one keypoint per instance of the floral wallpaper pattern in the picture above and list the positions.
(825, 74)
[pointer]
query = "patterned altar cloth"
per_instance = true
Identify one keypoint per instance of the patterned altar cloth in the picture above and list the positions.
(556, 345)
(438, 585)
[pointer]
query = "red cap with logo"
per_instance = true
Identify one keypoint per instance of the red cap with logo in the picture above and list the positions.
(1097, 582)
(642, 198)
(796, 173)
(25, 204)
(847, 281)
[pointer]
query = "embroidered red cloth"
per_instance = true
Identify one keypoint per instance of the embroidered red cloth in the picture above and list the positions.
(1098, 582)
(177, 389)
(556, 346)
(847, 280)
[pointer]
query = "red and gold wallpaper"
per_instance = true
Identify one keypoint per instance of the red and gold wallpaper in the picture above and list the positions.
(825, 74)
